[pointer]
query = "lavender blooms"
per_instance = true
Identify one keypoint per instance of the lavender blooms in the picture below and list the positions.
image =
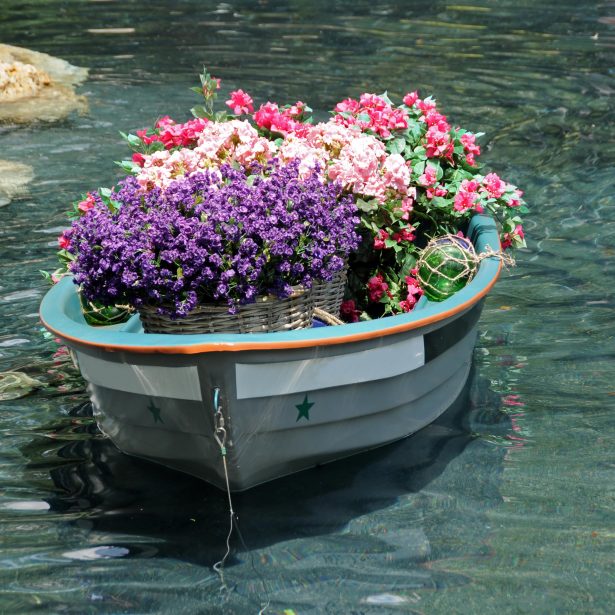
(219, 236)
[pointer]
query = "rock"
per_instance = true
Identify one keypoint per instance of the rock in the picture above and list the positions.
(36, 86)
(14, 177)
(19, 80)
(14, 385)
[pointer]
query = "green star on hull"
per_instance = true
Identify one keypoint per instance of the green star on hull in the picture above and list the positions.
(304, 408)
(155, 412)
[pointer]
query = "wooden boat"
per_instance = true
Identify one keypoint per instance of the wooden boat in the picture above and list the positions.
(266, 405)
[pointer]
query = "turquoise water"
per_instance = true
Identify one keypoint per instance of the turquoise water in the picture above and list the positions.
(506, 504)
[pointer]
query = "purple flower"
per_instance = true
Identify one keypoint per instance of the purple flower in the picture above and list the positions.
(221, 238)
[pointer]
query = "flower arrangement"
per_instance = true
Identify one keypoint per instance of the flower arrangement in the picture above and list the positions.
(214, 236)
(227, 205)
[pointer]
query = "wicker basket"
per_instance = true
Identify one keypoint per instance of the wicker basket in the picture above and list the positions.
(267, 314)
(328, 296)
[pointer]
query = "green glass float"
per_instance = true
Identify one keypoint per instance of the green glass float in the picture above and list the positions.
(446, 265)
(98, 315)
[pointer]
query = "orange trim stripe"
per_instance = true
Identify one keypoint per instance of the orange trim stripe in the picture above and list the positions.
(237, 347)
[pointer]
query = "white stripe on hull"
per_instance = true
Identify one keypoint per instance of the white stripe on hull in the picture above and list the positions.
(149, 380)
(283, 378)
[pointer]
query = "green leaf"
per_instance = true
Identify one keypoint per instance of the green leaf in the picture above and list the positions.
(419, 168)
(385, 97)
(128, 166)
(367, 206)
(133, 141)
(199, 111)
(396, 146)
(408, 265)
(440, 202)
(419, 152)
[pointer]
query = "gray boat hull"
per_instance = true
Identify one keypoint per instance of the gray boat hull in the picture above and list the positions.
(278, 402)
(284, 411)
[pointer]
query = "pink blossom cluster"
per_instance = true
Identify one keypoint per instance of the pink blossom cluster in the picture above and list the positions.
(86, 204)
(365, 168)
(285, 120)
(240, 103)
(218, 143)
(472, 193)
(429, 180)
(171, 134)
(509, 238)
(358, 161)
(470, 147)
(377, 288)
(371, 112)
(414, 291)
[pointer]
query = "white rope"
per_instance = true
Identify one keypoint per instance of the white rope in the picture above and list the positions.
(220, 437)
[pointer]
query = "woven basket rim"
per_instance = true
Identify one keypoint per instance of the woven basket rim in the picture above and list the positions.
(298, 291)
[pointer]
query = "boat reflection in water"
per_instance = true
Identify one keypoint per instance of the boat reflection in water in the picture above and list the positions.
(186, 518)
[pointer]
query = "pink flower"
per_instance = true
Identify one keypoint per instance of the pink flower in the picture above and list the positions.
(426, 105)
(414, 293)
(64, 240)
(164, 121)
(467, 197)
(439, 143)
(271, 118)
(295, 110)
(515, 237)
(429, 177)
(515, 200)
(406, 206)
(138, 159)
(410, 98)
(349, 312)
(347, 106)
(187, 134)
(468, 140)
(395, 173)
(436, 191)
(266, 114)
(358, 165)
(377, 287)
(240, 102)
(406, 234)
(372, 112)
(433, 117)
(373, 101)
(87, 203)
(494, 186)
(380, 239)
(142, 134)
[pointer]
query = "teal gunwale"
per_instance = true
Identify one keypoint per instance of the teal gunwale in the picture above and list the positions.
(60, 313)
